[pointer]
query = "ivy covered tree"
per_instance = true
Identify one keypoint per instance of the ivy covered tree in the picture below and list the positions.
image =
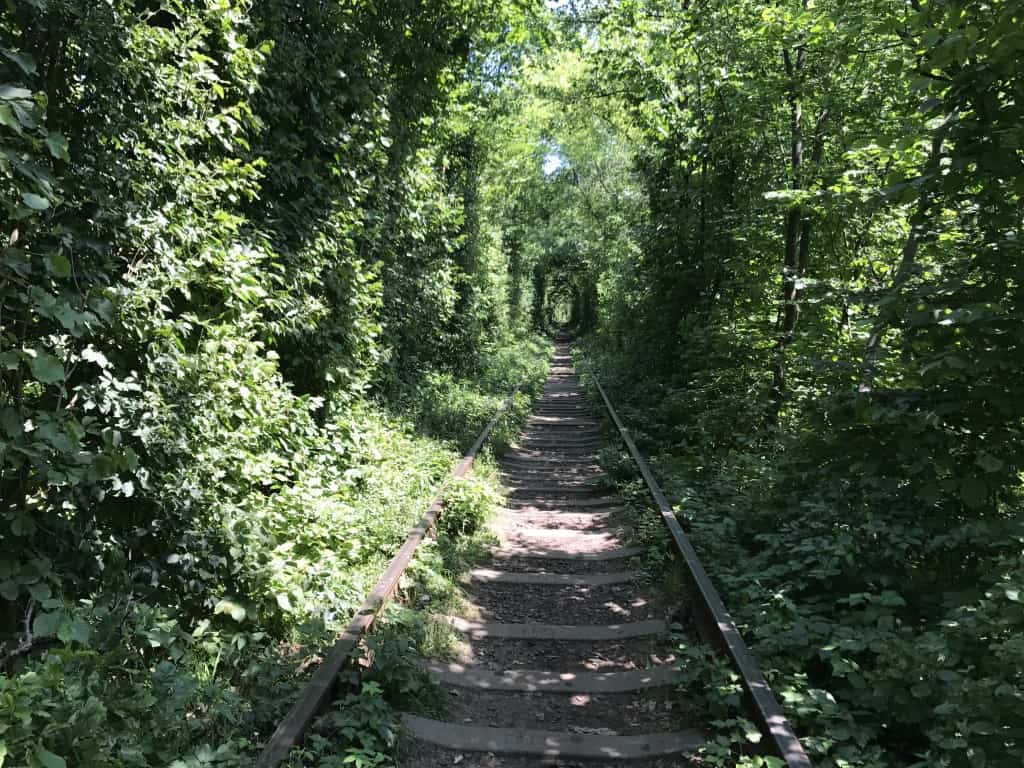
(236, 235)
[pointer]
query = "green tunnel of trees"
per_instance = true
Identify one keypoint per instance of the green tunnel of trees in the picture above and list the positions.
(266, 264)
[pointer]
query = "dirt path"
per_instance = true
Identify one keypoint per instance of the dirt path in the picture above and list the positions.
(566, 657)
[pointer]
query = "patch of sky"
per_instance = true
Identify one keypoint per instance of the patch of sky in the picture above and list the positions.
(553, 163)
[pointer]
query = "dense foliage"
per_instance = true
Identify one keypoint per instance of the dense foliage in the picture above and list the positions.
(246, 315)
(265, 264)
(805, 283)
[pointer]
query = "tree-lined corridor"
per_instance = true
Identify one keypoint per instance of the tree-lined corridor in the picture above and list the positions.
(269, 267)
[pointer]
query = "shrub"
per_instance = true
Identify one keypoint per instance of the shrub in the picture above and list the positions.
(468, 502)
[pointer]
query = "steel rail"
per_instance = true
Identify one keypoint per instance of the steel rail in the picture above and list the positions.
(320, 690)
(716, 625)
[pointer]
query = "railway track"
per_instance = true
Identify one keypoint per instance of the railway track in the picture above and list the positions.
(564, 657)
(567, 657)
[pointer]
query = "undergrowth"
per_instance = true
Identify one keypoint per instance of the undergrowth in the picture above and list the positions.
(874, 664)
(362, 728)
(711, 690)
(129, 682)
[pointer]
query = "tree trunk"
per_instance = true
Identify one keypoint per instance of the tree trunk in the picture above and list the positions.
(790, 263)
(908, 258)
(797, 257)
(515, 279)
(540, 291)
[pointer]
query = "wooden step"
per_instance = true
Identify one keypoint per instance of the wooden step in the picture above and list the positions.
(560, 449)
(566, 410)
(553, 469)
(576, 521)
(555, 454)
(562, 421)
(555, 509)
(550, 453)
(532, 681)
(556, 553)
(493, 576)
(562, 544)
(550, 489)
(548, 463)
(546, 507)
(559, 632)
(562, 479)
(572, 473)
(555, 484)
(535, 534)
(551, 745)
(553, 501)
(562, 434)
(558, 441)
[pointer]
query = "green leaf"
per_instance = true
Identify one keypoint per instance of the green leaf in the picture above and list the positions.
(26, 118)
(891, 599)
(58, 146)
(204, 754)
(230, 607)
(7, 118)
(46, 368)
(10, 92)
(75, 630)
(39, 591)
(47, 759)
(974, 492)
(24, 60)
(9, 590)
(46, 624)
(34, 201)
(3, 753)
(58, 265)
(988, 462)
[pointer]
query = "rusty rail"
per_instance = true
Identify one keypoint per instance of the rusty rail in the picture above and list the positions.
(320, 690)
(715, 624)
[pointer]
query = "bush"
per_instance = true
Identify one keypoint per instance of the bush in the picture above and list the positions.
(468, 503)
(291, 524)
(444, 405)
(360, 731)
